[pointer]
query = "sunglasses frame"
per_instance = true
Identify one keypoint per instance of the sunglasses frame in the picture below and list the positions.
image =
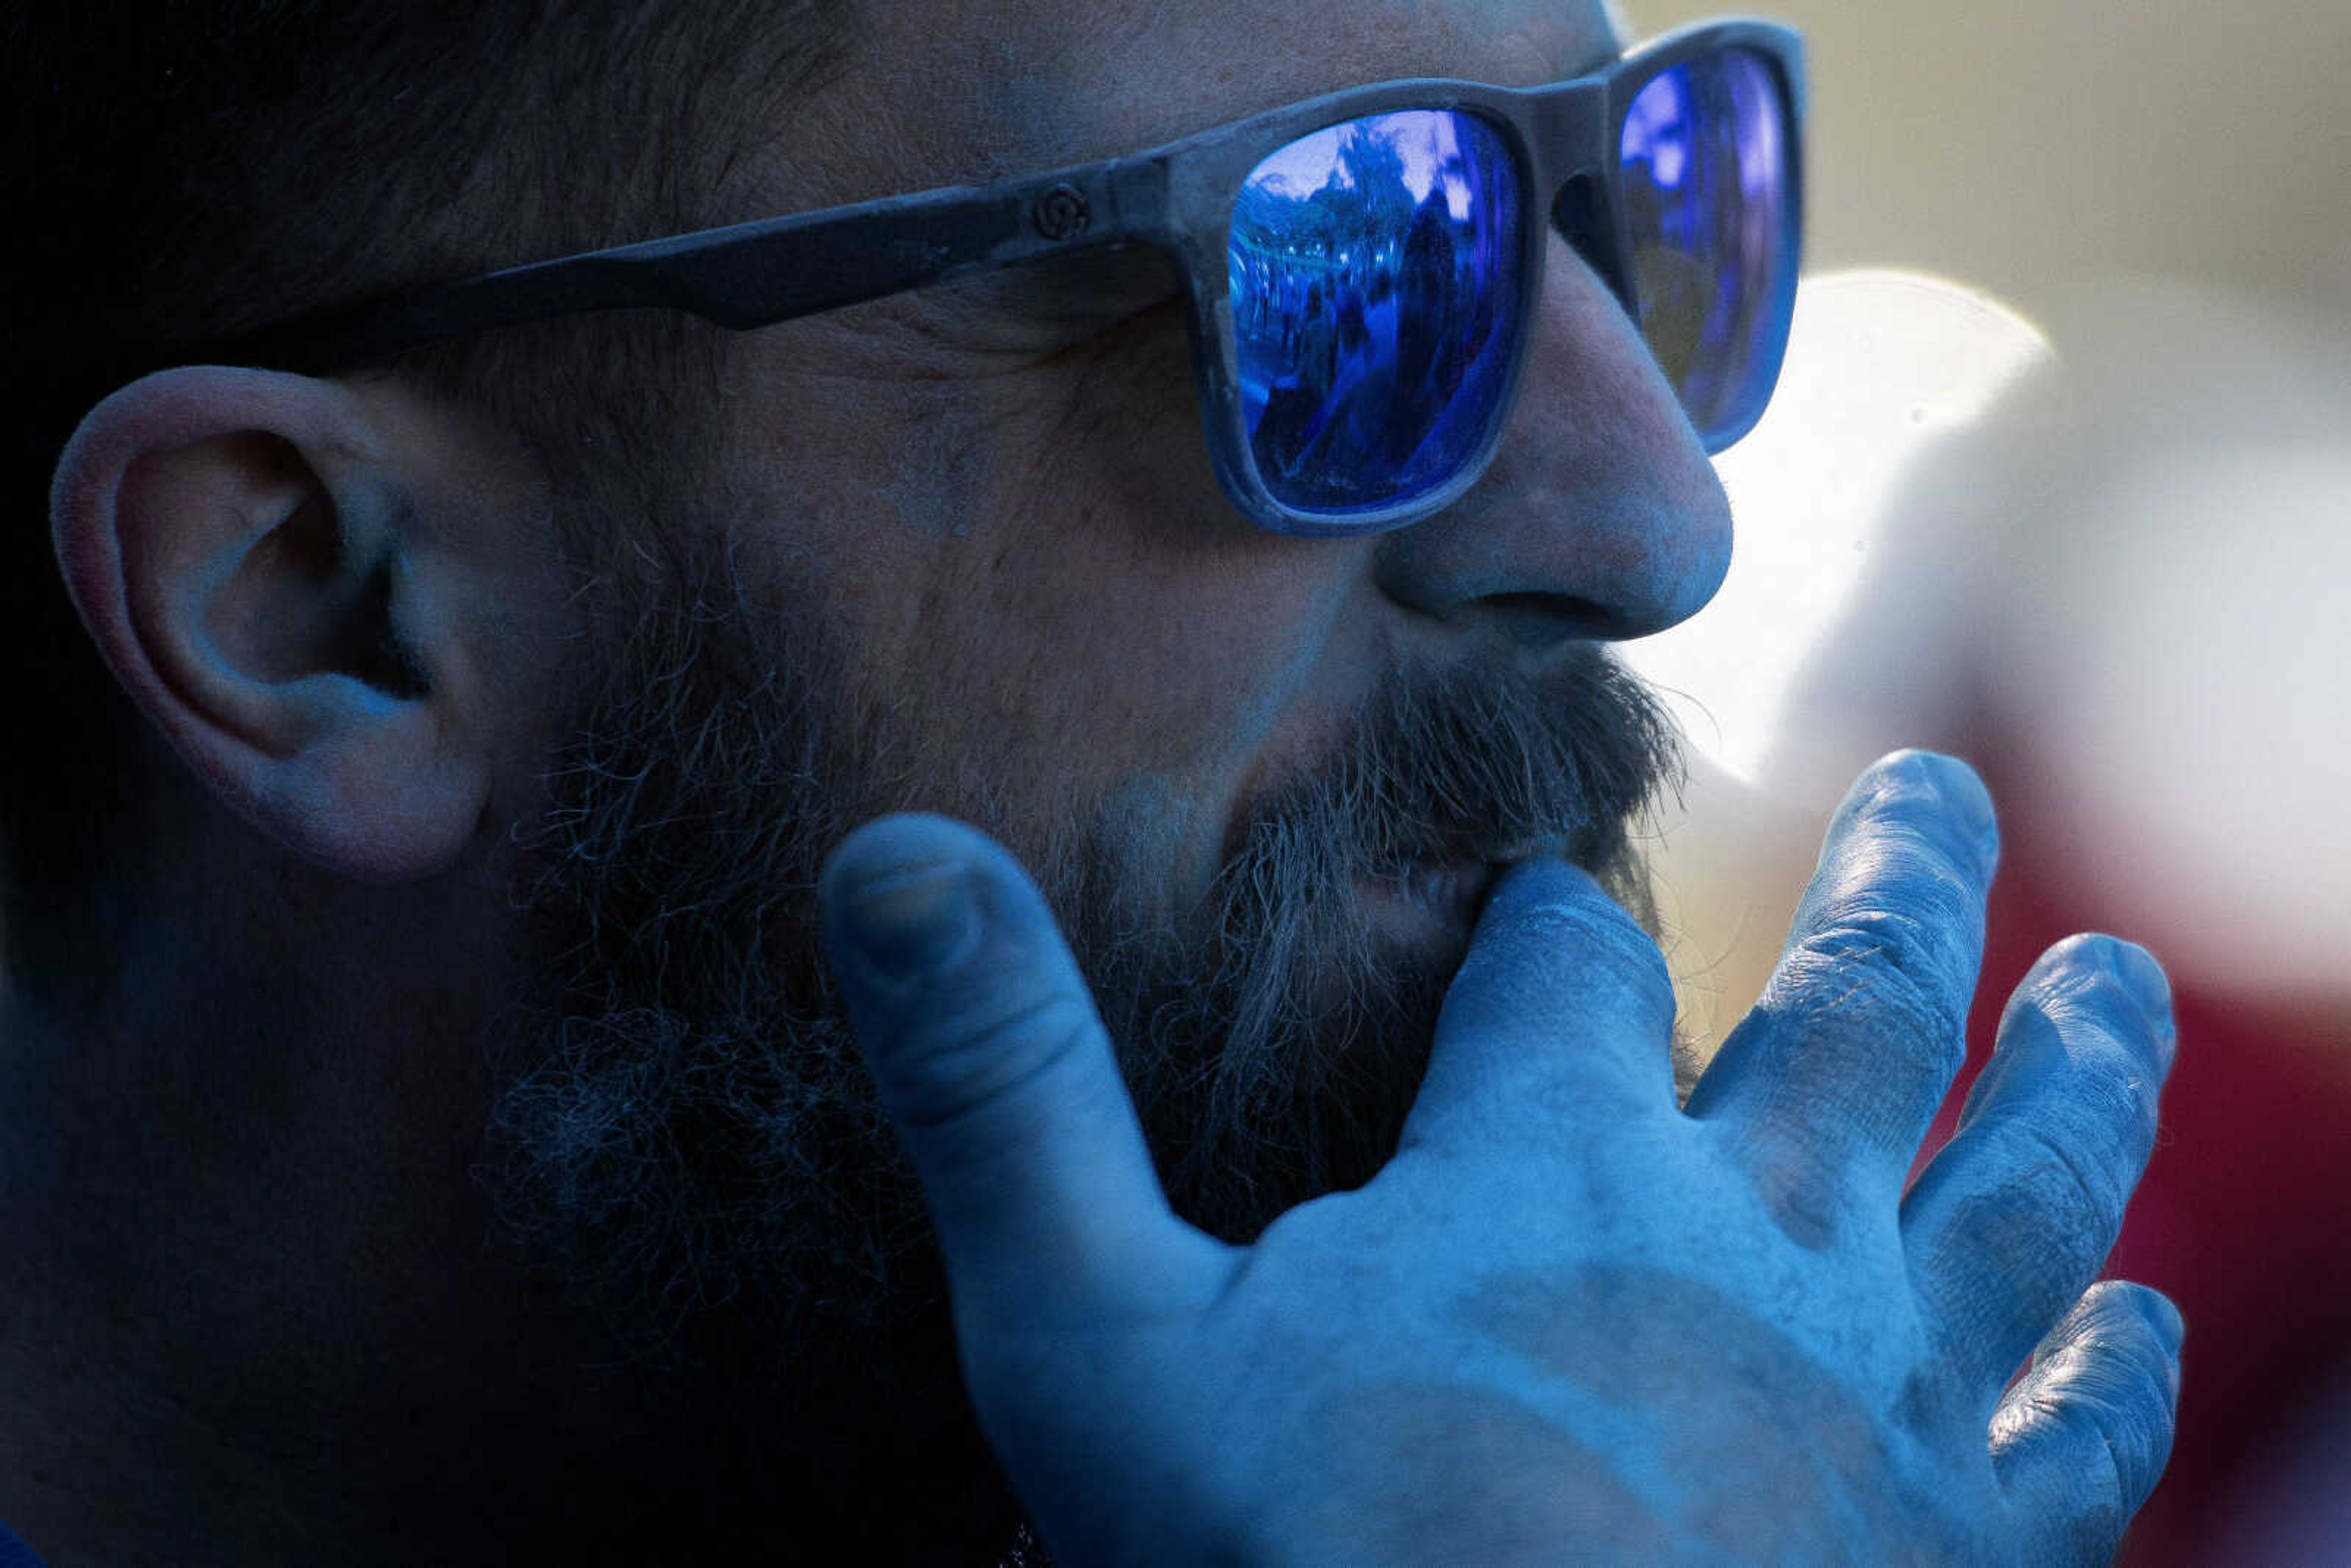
(1176, 197)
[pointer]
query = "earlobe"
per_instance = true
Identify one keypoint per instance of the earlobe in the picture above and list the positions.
(240, 545)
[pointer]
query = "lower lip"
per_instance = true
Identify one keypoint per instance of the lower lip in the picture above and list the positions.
(1431, 897)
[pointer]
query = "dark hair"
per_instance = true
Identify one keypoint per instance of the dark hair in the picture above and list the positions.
(180, 170)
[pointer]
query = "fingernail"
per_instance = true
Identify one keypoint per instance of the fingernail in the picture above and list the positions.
(2140, 975)
(2168, 1321)
(911, 920)
(1958, 786)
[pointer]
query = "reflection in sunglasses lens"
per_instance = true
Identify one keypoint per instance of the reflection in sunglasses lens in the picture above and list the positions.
(1374, 271)
(1705, 203)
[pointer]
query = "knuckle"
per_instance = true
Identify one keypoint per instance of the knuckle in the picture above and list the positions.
(2072, 1195)
(1895, 933)
(2111, 1389)
(2105, 1104)
(2013, 1254)
(1859, 976)
(2031, 1229)
(2102, 1491)
(1805, 1197)
(1920, 940)
(966, 1060)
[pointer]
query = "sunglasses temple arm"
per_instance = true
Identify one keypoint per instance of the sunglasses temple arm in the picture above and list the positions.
(746, 276)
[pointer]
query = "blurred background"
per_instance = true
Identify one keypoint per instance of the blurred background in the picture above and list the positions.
(2059, 479)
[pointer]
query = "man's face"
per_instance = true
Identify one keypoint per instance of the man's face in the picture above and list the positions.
(963, 550)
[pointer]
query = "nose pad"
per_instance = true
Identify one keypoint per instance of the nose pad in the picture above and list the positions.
(1580, 214)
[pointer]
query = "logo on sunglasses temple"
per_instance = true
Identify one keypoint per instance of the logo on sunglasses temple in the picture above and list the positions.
(1061, 213)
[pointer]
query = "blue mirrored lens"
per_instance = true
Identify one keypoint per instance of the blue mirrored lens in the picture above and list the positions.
(1376, 273)
(1708, 207)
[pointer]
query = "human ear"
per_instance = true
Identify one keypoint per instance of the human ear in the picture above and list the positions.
(250, 557)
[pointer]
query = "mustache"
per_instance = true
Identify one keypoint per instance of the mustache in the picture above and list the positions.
(1284, 1053)
(1455, 767)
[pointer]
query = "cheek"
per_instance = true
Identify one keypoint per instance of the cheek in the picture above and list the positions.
(1072, 636)
(936, 481)
(1125, 608)
(1100, 692)
(1040, 592)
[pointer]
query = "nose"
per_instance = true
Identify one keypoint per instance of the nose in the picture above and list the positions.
(1601, 517)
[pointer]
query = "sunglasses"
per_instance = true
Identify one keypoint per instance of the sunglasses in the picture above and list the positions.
(1362, 271)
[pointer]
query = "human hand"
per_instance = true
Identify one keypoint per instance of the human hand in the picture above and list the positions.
(1569, 1320)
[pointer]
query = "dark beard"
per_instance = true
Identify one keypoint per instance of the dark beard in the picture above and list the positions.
(1273, 1046)
(686, 1138)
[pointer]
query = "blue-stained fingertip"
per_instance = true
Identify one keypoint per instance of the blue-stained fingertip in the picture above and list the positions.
(2167, 1318)
(1540, 879)
(898, 898)
(2136, 968)
(1959, 786)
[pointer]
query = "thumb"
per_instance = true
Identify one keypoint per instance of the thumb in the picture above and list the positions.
(994, 1067)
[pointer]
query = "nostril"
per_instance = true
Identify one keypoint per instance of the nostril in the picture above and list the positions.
(1542, 621)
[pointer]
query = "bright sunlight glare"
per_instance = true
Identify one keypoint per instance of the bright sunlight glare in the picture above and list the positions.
(1881, 365)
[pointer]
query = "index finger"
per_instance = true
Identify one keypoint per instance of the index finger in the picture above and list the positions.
(1862, 1026)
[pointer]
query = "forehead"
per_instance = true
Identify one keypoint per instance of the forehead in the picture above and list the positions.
(950, 92)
